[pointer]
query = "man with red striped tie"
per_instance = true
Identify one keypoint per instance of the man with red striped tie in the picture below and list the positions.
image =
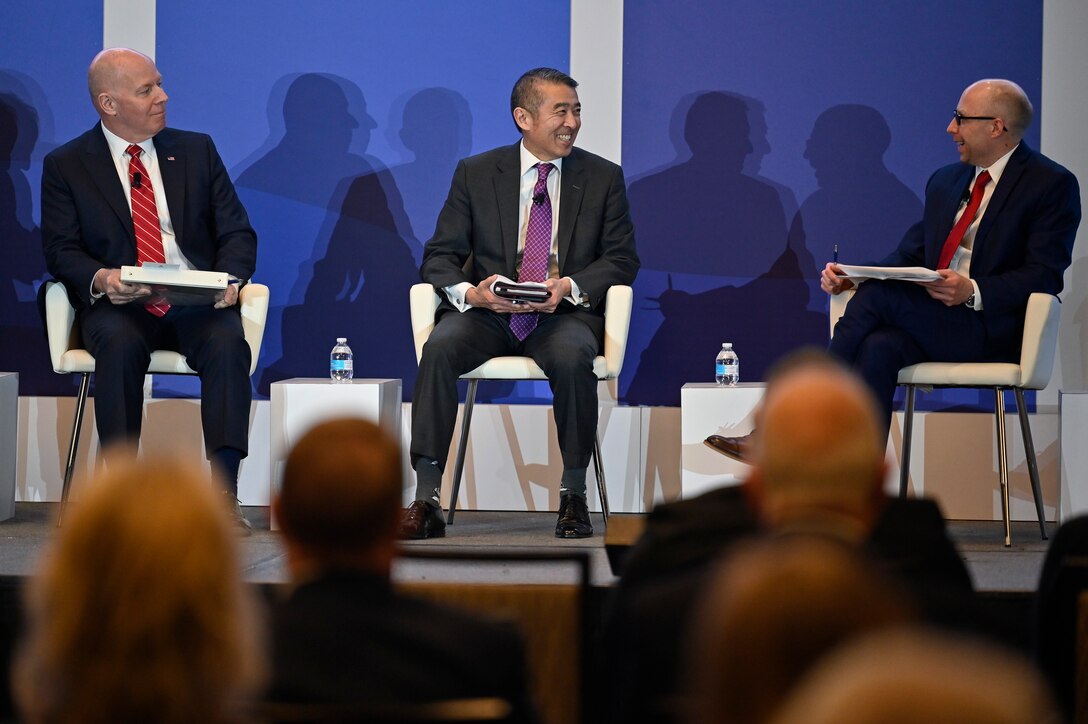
(131, 191)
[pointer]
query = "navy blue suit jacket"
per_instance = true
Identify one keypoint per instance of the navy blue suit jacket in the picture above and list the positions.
(87, 225)
(1023, 244)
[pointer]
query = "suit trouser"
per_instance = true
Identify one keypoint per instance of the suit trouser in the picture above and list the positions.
(122, 337)
(564, 345)
(893, 324)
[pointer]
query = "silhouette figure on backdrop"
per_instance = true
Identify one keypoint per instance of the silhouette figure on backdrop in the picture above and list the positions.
(859, 204)
(353, 281)
(24, 348)
(436, 148)
(706, 216)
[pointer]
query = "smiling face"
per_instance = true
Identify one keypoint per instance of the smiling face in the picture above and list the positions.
(980, 142)
(128, 94)
(549, 130)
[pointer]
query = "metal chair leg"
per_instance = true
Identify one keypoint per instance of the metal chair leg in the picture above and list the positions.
(1029, 453)
(598, 470)
(908, 432)
(73, 442)
(462, 447)
(1003, 461)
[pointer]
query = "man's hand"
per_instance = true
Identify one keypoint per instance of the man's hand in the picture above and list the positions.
(108, 282)
(831, 282)
(558, 290)
(228, 297)
(951, 289)
(482, 296)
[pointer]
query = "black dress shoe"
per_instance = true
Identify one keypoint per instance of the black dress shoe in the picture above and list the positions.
(422, 520)
(738, 448)
(573, 518)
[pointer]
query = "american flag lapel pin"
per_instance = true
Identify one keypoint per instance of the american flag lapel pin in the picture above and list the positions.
(169, 158)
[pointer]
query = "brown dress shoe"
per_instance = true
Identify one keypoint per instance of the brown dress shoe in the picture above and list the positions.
(573, 518)
(422, 520)
(737, 448)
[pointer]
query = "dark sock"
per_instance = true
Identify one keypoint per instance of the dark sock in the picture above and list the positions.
(229, 460)
(428, 482)
(573, 482)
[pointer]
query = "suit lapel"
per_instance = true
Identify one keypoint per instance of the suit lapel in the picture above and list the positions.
(103, 173)
(507, 188)
(571, 187)
(172, 171)
(1009, 178)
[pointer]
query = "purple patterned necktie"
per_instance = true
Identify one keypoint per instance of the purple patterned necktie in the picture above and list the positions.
(538, 246)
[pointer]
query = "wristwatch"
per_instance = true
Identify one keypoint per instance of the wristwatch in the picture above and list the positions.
(970, 301)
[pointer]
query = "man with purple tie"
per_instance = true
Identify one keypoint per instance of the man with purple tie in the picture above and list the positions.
(540, 210)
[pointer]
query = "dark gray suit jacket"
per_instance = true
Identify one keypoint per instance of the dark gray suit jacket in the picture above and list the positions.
(477, 231)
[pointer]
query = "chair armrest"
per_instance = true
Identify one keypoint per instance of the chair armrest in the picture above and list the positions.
(253, 301)
(836, 307)
(1040, 340)
(424, 301)
(60, 319)
(617, 322)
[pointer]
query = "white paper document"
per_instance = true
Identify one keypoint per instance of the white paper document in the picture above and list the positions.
(907, 273)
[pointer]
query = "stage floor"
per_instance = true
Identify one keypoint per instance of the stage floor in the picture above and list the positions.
(993, 567)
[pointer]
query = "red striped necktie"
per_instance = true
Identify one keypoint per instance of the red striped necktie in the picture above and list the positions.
(955, 237)
(145, 220)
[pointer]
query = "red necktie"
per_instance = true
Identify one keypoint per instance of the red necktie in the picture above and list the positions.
(955, 237)
(145, 220)
(538, 247)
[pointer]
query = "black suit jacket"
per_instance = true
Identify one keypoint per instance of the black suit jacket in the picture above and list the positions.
(87, 225)
(477, 230)
(1023, 244)
(650, 615)
(348, 637)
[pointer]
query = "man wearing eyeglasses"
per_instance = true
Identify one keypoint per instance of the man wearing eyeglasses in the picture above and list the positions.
(996, 227)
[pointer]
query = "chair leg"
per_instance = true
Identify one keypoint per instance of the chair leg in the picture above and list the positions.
(73, 443)
(598, 470)
(908, 432)
(462, 446)
(1003, 461)
(1029, 452)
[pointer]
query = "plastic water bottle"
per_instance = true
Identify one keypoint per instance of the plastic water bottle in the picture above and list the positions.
(340, 361)
(727, 366)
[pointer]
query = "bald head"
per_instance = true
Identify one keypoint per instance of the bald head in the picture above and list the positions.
(818, 447)
(1007, 101)
(126, 90)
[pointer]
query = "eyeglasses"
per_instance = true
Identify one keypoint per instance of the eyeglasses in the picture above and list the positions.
(960, 118)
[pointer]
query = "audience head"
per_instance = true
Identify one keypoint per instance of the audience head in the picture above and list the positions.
(340, 499)
(818, 451)
(138, 612)
(772, 609)
(126, 90)
(908, 676)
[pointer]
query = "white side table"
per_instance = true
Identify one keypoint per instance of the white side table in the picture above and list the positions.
(708, 409)
(300, 403)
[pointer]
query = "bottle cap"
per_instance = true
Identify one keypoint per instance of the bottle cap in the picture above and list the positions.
(341, 340)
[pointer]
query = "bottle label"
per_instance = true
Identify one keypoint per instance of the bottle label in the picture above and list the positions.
(719, 367)
(341, 365)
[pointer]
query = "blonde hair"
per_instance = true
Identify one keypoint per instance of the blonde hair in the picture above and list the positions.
(138, 612)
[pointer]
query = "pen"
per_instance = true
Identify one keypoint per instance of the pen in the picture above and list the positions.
(835, 253)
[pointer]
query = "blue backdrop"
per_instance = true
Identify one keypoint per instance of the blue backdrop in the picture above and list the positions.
(756, 135)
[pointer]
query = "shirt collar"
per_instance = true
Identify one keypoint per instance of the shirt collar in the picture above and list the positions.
(997, 167)
(528, 160)
(119, 146)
